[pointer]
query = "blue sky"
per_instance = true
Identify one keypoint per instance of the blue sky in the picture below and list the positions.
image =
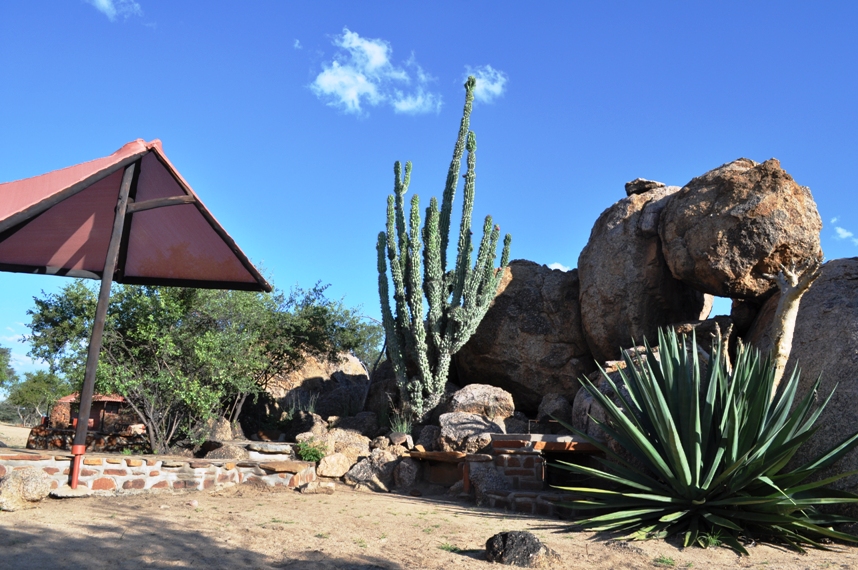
(286, 117)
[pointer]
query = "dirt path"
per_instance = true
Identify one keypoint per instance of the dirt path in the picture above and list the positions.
(14, 436)
(246, 527)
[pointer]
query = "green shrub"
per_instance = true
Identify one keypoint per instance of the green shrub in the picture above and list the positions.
(311, 450)
(714, 445)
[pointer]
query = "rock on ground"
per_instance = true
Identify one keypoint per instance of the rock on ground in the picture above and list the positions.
(466, 432)
(520, 548)
(406, 473)
(627, 289)
(530, 342)
(219, 429)
(335, 465)
(825, 343)
(23, 488)
(374, 472)
(428, 438)
(482, 399)
(351, 444)
(228, 451)
(727, 228)
(484, 477)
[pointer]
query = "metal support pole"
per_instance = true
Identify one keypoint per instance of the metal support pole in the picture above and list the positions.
(79, 443)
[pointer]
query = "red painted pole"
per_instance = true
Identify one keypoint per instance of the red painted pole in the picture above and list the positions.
(79, 443)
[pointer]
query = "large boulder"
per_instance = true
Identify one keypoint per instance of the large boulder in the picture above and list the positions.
(331, 389)
(23, 488)
(825, 343)
(490, 401)
(627, 290)
(728, 228)
(466, 432)
(530, 341)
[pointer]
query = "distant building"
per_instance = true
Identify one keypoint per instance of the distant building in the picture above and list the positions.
(109, 413)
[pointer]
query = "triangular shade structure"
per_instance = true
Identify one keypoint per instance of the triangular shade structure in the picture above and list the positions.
(129, 217)
(60, 223)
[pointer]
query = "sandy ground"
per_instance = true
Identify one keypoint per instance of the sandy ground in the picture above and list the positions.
(13, 436)
(248, 527)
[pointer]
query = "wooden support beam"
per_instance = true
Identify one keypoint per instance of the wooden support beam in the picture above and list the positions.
(159, 203)
(79, 442)
(49, 270)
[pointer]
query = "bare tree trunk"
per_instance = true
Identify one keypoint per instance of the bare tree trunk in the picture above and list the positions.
(792, 285)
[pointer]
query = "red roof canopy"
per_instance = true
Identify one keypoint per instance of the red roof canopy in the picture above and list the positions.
(73, 398)
(60, 223)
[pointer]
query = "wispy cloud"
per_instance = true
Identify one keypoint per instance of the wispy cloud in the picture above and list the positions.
(297, 44)
(117, 8)
(834, 220)
(843, 233)
(491, 82)
(363, 74)
(559, 266)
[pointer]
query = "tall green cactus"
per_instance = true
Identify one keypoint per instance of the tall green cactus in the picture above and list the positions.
(457, 299)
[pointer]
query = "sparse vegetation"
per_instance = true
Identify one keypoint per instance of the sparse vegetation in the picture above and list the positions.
(311, 450)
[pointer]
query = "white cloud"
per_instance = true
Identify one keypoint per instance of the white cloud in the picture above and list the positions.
(362, 73)
(559, 266)
(491, 83)
(834, 220)
(842, 233)
(416, 103)
(297, 44)
(114, 8)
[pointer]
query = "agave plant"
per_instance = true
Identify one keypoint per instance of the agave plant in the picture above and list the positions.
(712, 446)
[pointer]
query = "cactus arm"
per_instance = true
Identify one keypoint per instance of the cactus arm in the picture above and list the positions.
(477, 276)
(463, 257)
(396, 273)
(394, 335)
(415, 298)
(453, 173)
(433, 275)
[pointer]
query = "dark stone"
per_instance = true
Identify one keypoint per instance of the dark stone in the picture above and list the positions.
(641, 185)
(519, 548)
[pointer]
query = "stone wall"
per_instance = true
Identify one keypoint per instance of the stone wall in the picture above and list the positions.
(43, 437)
(116, 474)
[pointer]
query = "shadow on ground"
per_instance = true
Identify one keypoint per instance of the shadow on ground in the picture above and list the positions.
(137, 541)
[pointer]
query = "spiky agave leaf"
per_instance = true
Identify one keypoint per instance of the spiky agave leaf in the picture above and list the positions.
(713, 444)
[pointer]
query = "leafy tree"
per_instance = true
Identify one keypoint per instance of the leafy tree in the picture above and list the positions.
(8, 378)
(35, 394)
(183, 356)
